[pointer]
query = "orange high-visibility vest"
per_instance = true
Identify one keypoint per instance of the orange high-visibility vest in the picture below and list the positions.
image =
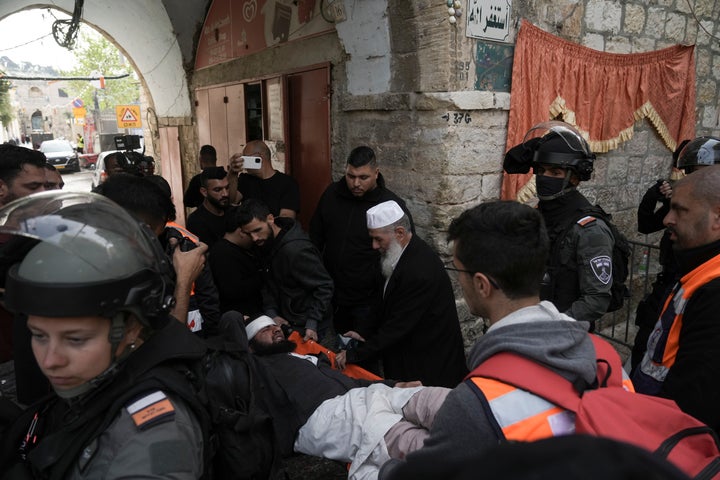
(521, 415)
(682, 292)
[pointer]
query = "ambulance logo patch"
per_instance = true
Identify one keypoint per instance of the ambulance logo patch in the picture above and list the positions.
(602, 268)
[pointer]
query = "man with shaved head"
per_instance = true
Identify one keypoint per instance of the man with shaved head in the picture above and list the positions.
(280, 192)
(682, 361)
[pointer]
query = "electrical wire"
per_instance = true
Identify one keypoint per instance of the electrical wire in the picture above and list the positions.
(26, 43)
(697, 20)
(106, 77)
(65, 31)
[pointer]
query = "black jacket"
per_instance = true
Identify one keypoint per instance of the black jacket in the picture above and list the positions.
(339, 229)
(297, 287)
(418, 336)
(294, 388)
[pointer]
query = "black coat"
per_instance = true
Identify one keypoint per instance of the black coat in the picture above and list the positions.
(339, 229)
(296, 285)
(418, 336)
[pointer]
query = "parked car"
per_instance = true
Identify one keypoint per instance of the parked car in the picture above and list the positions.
(100, 174)
(61, 155)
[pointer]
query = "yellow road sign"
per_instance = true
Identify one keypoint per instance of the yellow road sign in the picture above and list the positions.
(128, 116)
(79, 112)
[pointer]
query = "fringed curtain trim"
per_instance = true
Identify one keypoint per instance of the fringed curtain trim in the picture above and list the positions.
(601, 94)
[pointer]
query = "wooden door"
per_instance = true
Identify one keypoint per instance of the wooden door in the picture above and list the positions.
(217, 102)
(309, 136)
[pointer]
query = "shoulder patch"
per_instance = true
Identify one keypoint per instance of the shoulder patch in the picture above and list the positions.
(151, 409)
(586, 220)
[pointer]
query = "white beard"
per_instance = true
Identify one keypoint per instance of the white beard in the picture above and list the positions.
(389, 259)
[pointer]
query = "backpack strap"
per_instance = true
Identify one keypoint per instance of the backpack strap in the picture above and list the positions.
(539, 380)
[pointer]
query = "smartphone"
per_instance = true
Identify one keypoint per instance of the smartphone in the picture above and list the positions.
(251, 163)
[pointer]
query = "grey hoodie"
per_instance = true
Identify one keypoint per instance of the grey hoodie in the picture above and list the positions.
(461, 430)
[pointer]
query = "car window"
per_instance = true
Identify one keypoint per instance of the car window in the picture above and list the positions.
(47, 147)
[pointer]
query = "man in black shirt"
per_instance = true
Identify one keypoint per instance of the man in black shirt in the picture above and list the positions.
(208, 221)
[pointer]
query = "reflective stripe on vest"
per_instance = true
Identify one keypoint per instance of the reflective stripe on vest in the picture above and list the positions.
(184, 232)
(663, 344)
(523, 416)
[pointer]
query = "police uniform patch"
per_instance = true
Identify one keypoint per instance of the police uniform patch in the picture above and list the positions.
(602, 268)
(151, 409)
(586, 220)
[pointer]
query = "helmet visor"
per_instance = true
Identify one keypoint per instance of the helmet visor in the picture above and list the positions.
(74, 254)
(701, 151)
(570, 139)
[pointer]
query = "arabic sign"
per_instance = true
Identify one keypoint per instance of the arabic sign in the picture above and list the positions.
(489, 19)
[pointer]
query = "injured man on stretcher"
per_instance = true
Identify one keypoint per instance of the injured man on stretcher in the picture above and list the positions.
(320, 411)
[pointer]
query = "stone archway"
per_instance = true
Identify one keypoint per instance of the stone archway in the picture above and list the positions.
(145, 33)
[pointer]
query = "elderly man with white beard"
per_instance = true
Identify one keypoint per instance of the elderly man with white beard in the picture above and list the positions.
(418, 334)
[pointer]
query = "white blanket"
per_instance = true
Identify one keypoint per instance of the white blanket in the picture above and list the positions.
(352, 427)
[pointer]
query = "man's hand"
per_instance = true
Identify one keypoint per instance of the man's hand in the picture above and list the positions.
(353, 334)
(414, 383)
(188, 265)
(310, 335)
(665, 189)
(341, 360)
(235, 164)
(280, 320)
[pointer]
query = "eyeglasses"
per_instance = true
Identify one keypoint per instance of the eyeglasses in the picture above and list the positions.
(451, 267)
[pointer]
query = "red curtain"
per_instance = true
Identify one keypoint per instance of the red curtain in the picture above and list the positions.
(601, 94)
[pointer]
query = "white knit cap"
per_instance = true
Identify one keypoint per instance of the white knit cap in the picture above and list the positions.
(258, 324)
(384, 214)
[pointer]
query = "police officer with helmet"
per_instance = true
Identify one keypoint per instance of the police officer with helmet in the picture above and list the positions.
(96, 288)
(579, 271)
(701, 152)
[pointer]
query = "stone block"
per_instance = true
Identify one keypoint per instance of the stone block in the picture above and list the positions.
(491, 184)
(634, 21)
(603, 16)
(703, 62)
(710, 119)
(642, 44)
(618, 44)
(637, 145)
(706, 92)
(594, 41)
(702, 33)
(655, 23)
(675, 27)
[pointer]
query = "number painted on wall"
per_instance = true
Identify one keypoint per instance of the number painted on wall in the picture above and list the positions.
(457, 118)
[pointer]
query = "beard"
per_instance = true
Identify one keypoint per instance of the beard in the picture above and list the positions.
(390, 257)
(221, 204)
(284, 346)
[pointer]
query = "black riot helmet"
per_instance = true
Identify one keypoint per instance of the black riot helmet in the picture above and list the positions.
(702, 151)
(80, 254)
(551, 143)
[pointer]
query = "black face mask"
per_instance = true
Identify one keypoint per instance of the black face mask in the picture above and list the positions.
(549, 188)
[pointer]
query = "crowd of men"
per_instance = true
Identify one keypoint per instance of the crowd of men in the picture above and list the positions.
(362, 282)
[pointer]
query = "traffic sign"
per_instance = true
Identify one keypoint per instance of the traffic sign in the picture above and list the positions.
(79, 112)
(78, 103)
(128, 116)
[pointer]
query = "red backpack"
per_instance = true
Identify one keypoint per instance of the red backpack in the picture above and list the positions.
(653, 423)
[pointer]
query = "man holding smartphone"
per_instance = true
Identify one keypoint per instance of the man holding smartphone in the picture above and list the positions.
(280, 192)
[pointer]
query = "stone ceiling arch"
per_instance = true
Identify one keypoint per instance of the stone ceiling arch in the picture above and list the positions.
(144, 33)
